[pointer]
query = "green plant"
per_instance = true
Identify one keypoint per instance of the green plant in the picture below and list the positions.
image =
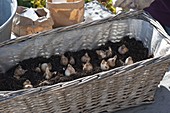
(108, 4)
(32, 3)
(87, 1)
(25, 3)
(38, 3)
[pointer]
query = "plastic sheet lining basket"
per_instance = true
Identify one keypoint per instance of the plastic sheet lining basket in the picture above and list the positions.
(107, 91)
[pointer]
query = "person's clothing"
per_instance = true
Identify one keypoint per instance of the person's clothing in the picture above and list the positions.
(160, 10)
(167, 29)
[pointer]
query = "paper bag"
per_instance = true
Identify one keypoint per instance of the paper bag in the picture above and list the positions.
(29, 21)
(66, 13)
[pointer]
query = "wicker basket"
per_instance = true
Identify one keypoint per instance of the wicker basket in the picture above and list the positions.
(107, 91)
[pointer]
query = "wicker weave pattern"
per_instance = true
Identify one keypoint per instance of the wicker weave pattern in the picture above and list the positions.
(110, 93)
(107, 91)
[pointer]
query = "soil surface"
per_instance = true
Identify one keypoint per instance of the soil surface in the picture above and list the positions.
(8, 82)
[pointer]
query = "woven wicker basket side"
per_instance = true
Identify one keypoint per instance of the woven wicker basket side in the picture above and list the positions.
(99, 93)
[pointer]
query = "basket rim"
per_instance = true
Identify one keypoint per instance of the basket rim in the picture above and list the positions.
(124, 15)
(139, 14)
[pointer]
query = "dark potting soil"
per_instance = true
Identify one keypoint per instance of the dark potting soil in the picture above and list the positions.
(8, 82)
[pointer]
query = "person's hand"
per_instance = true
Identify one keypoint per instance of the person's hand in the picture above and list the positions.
(134, 4)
